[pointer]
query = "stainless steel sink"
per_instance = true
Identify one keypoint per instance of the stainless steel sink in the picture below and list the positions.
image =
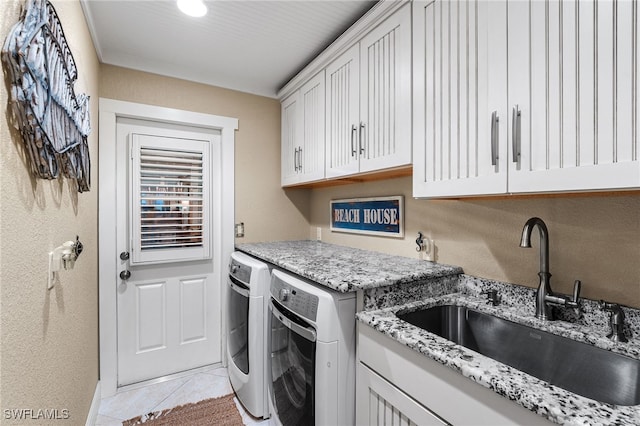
(577, 367)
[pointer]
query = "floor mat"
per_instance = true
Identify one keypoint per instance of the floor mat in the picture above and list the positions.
(220, 411)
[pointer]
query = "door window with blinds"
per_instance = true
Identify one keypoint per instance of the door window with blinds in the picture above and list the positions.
(170, 187)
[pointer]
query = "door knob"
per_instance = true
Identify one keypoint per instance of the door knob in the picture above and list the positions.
(124, 255)
(125, 275)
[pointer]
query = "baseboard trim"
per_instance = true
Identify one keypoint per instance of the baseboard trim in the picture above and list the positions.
(95, 406)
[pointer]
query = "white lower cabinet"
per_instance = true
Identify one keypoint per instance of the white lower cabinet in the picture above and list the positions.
(397, 385)
(381, 403)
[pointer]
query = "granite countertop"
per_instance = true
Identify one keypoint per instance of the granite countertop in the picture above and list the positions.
(345, 269)
(395, 283)
(556, 404)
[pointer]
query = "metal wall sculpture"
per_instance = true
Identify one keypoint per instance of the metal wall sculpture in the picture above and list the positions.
(53, 121)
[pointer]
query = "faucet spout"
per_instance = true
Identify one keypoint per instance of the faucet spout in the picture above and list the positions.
(525, 241)
(543, 310)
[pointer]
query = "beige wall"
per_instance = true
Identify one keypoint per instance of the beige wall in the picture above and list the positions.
(592, 238)
(49, 339)
(268, 212)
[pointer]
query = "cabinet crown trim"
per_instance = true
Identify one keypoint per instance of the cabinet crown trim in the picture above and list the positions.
(377, 14)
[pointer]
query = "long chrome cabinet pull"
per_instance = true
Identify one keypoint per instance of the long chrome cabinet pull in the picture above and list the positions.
(353, 140)
(295, 159)
(300, 159)
(494, 137)
(516, 142)
(362, 125)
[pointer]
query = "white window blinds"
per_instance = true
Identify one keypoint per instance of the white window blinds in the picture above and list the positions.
(170, 199)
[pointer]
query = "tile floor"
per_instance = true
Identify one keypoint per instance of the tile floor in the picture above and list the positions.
(205, 384)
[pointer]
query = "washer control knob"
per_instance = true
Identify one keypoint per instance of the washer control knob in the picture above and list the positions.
(284, 294)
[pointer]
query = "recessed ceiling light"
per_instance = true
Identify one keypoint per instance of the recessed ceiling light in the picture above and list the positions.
(195, 8)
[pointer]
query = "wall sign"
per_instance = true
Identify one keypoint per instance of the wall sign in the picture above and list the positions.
(383, 216)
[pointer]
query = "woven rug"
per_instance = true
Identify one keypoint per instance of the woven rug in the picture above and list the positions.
(215, 411)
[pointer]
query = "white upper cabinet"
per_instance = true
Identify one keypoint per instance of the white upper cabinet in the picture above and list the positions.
(291, 130)
(573, 78)
(459, 82)
(303, 127)
(369, 101)
(343, 114)
(385, 94)
(555, 111)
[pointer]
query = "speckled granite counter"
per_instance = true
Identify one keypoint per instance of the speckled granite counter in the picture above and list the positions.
(346, 269)
(392, 283)
(552, 402)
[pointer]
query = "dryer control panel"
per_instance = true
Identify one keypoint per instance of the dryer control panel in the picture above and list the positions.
(295, 299)
(240, 271)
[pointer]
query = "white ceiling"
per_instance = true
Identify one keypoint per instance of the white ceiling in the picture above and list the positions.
(254, 46)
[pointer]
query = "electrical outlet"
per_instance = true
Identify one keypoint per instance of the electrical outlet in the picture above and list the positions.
(429, 249)
(319, 234)
(239, 230)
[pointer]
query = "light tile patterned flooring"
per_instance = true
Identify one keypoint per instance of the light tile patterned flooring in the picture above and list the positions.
(209, 383)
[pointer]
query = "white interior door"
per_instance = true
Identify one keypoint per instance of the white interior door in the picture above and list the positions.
(168, 222)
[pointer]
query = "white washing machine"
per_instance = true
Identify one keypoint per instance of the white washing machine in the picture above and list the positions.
(311, 352)
(247, 307)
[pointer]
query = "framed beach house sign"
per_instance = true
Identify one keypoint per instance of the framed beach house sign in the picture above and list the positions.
(381, 216)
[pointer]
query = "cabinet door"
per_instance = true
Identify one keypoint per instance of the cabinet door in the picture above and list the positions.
(342, 151)
(573, 76)
(311, 149)
(385, 94)
(379, 403)
(291, 137)
(460, 98)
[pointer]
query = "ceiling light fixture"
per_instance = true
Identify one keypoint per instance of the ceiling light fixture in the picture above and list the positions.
(195, 8)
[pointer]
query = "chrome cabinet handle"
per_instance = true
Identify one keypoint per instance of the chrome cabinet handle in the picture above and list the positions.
(361, 145)
(494, 137)
(353, 140)
(295, 159)
(124, 255)
(516, 142)
(300, 159)
(125, 275)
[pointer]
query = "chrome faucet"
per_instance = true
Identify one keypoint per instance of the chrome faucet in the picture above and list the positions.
(544, 295)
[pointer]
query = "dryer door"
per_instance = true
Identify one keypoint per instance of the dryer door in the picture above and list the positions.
(293, 365)
(238, 324)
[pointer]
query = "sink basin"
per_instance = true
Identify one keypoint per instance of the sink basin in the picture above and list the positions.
(577, 367)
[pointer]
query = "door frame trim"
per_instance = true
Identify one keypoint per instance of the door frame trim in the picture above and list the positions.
(110, 110)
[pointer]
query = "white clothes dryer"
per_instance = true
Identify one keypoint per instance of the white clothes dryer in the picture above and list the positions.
(248, 296)
(311, 352)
